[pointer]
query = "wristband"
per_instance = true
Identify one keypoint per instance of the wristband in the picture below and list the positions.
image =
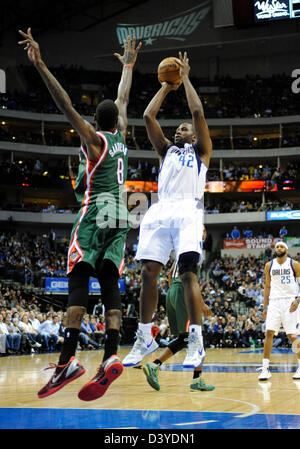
(298, 300)
(265, 308)
(129, 65)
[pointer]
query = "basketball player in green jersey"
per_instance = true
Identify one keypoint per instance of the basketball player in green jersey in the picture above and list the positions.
(179, 326)
(99, 232)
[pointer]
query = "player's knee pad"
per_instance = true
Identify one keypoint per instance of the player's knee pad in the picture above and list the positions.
(79, 286)
(188, 262)
(179, 343)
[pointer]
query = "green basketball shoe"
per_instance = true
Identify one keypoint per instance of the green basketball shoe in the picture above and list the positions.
(200, 385)
(151, 372)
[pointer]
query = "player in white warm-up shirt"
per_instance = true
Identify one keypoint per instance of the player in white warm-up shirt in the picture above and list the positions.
(176, 221)
(281, 303)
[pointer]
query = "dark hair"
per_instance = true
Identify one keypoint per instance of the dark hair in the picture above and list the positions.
(107, 114)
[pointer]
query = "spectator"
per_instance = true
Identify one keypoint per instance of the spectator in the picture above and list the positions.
(13, 338)
(85, 336)
(48, 332)
(283, 232)
(230, 339)
(30, 333)
(235, 233)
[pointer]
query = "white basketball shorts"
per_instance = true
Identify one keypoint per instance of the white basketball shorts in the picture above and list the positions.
(171, 226)
(278, 314)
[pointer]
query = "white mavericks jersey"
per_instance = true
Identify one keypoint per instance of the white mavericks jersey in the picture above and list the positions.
(283, 280)
(182, 174)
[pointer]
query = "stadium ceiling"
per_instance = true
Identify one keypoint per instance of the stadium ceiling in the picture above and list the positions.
(69, 15)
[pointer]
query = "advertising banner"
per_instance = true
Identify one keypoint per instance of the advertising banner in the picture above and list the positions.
(251, 243)
(211, 186)
(283, 215)
(292, 241)
(60, 285)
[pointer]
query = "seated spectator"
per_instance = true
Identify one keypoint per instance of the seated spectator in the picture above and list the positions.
(85, 335)
(48, 332)
(13, 338)
(164, 332)
(101, 324)
(97, 335)
(33, 320)
(211, 332)
(230, 339)
(29, 332)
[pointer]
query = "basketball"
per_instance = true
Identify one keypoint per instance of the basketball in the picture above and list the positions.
(169, 71)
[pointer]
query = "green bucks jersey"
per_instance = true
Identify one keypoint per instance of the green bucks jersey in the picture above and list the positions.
(101, 181)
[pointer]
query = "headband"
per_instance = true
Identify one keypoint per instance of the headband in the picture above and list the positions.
(282, 243)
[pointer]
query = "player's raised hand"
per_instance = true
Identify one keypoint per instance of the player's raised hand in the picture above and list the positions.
(184, 64)
(32, 47)
(130, 52)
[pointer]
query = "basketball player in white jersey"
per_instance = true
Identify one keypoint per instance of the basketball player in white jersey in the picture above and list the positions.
(176, 221)
(282, 279)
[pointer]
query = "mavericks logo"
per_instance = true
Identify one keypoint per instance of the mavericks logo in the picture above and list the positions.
(174, 28)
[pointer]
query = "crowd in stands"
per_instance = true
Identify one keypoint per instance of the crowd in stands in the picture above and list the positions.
(252, 96)
(29, 258)
(69, 138)
(249, 206)
(254, 172)
(26, 329)
(231, 286)
(57, 174)
(262, 233)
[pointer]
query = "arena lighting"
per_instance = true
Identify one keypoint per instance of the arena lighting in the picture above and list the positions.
(3, 123)
(72, 131)
(20, 162)
(45, 173)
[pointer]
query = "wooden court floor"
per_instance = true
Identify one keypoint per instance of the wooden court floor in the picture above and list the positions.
(238, 401)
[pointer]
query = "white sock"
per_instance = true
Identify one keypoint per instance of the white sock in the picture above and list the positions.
(146, 329)
(265, 363)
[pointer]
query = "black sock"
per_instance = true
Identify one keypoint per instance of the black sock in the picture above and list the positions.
(111, 343)
(197, 374)
(69, 345)
(157, 362)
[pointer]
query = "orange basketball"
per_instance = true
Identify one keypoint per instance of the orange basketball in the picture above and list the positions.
(169, 71)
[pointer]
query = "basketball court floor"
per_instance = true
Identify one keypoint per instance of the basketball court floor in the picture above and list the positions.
(239, 400)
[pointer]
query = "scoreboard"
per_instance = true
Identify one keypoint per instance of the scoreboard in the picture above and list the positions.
(276, 9)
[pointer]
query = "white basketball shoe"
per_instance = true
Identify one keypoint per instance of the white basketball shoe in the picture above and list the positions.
(265, 374)
(139, 350)
(195, 351)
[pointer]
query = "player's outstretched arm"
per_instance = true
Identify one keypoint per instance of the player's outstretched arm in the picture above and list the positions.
(154, 131)
(203, 140)
(267, 290)
(85, 130)
(128, 60)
